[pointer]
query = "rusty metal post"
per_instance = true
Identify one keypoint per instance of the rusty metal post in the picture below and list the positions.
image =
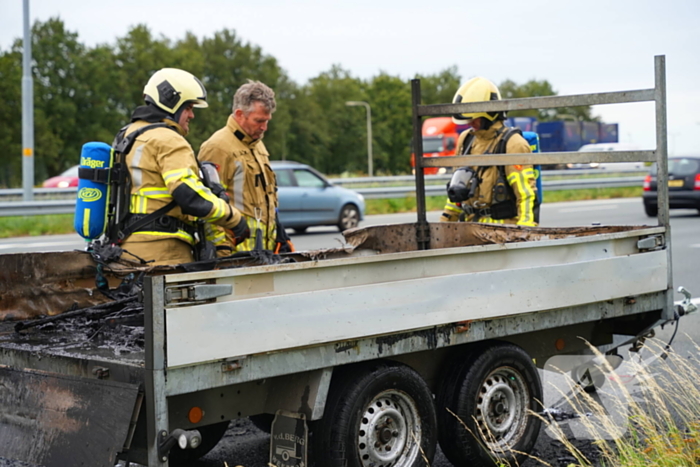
(422, 226)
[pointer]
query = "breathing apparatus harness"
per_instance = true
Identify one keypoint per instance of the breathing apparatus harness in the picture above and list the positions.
(465, 180)
(121, 223)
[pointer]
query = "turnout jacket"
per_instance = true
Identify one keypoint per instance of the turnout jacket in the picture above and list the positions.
(163, 168)
(521, 179)
(245, 171)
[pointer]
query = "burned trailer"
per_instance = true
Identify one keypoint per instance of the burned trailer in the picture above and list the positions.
(252, 340)
(368, 346)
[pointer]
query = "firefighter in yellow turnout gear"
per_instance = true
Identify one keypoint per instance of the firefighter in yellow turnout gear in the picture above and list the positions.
(244, 165)
(501, 196)
(163, 169)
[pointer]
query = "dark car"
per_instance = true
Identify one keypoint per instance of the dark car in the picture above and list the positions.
(307, 198)
(683, 185)
(66, 179)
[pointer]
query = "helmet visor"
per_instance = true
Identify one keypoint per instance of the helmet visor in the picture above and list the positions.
(199, 103)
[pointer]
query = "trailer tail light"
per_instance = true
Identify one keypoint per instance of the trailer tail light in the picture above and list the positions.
(195, 415)
(647, 183)
(697, 182)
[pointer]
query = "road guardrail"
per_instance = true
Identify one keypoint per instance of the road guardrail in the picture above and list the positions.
(66, 205)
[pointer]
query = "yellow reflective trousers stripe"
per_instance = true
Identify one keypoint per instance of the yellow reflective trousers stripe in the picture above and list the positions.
(215, 234)
(269, 236)
(488, 220)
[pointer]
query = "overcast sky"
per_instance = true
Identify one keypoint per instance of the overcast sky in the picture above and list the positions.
(578, 46)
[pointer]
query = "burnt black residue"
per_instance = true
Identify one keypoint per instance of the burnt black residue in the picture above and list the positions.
(431, 337)
(116, 333)
(15, 463)
(345, 346)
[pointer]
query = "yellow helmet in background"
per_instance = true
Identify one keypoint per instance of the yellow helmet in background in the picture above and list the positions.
(476, 90)
(169, 88)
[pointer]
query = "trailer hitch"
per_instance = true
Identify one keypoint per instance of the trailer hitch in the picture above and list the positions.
(686, 306)
(186, 439)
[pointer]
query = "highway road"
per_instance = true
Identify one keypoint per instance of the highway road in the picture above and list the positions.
(685, 232)
(244, 445)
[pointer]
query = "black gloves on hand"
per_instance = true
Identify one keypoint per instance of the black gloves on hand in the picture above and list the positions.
(241, 232)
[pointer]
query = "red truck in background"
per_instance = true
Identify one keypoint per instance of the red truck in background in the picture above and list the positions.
(440, 136)
(439, 139)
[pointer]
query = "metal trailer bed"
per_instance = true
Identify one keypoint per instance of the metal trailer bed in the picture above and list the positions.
(272, 337)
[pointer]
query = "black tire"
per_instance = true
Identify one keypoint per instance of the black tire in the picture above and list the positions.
(377, 415)
(211, 435)
(262, 422)
(491, 391)
(300, 230)
(349, 217)
(651, 211)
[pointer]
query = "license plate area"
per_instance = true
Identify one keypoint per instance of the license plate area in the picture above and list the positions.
(675, 183)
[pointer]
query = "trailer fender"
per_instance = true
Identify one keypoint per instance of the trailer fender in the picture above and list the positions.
(303, 393)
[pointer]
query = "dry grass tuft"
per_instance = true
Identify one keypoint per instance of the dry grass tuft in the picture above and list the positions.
(662, 403)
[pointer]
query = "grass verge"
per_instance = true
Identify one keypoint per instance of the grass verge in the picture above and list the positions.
(436, 203)
(22, 226)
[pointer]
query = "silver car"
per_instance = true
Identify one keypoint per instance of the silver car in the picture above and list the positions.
(307, 198)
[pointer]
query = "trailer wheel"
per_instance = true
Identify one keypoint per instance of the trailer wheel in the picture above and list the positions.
(211, 435)
(491, 393)
(381, 416)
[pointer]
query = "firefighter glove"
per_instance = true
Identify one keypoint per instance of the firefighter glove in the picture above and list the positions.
(241, 232)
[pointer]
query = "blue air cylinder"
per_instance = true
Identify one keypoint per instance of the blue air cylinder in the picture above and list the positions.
(533, 140)
(90, 219)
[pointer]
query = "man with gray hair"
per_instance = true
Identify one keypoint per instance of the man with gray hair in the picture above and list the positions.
(244, 167)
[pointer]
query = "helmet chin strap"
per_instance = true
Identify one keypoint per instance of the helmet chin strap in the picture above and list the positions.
(176, 116)
(486, 123)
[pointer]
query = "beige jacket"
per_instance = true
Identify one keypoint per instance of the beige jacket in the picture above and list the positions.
(244, 168)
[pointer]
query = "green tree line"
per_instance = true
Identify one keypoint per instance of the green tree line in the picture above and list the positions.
(86, 94)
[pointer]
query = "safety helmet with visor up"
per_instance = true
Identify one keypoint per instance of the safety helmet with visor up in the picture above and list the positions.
(170, 88)
(477, 90)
